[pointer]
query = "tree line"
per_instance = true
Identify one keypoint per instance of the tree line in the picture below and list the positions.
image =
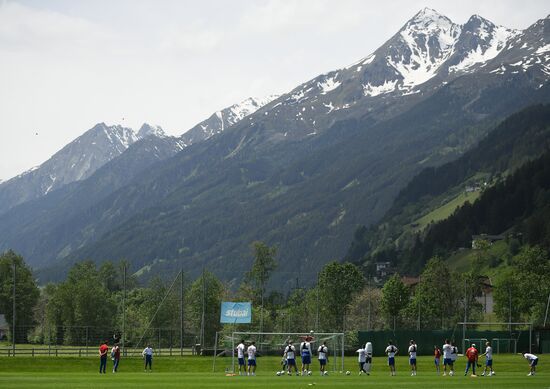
(90, 300)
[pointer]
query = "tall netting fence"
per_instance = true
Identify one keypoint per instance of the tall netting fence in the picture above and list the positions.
(85, 340)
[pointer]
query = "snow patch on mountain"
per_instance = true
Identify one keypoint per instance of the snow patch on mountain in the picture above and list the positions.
(386, 87)
(328, 84)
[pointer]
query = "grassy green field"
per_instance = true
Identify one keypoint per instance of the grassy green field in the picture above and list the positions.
(196, 372)
(446, 210)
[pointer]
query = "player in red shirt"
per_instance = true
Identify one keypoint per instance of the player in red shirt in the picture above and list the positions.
(103, 350)
(437, 358)
(472, 355)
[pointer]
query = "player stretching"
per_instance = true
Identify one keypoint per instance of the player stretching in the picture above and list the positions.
(472, 355)
(437, 358)
(412, 356)
(488, 359)
(240, 356)
(533, 361)
(305, 351)
(447, 358)
(290, 355)
(323, 353)
(251, 351)
(391, 351)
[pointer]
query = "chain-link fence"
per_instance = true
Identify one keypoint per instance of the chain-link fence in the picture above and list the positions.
(85, 340)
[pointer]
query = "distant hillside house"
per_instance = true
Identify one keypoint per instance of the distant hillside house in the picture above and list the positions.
(487, 238)
(383, 271)
(411, 282)
(3, 327)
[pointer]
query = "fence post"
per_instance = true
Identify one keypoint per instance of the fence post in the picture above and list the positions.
(159, 342)
(87, 340)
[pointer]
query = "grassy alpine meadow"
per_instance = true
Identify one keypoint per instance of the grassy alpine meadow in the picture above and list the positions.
(196, 372)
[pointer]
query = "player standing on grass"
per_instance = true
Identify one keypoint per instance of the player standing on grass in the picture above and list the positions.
(391, 351)
(115, 355)
(533, 361)
(447, 358)
(147, 353)
(412, 356)
(240, 357)
(454, 354)
(368, 361)
(472, 355)
(362, 359)
(290, 356)
(322, 351)
(103, 350)
(437, 358)
(251, 351)
(305, 352)
(488, 359)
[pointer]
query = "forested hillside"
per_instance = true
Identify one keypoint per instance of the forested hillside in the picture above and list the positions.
(520, 138)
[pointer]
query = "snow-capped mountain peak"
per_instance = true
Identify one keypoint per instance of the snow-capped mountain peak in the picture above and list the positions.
(225, 118)
(421, 46)
(148, 130)
(480, 41)
(238, 111)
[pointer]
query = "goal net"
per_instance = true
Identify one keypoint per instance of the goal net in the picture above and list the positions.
(503, 337)
(274, 343)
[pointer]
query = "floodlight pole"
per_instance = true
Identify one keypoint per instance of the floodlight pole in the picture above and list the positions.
(510, 309)
(546, 315)
(181, 311)
(123, 337)
(203, 307)
(13, 320)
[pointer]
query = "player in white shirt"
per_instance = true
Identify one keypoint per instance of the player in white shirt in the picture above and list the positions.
(447, 357)
(488, 359)
(362, 359)
(322, 351)
(251, 351)
(290, 356)
(240, 356)
(368, 361)
(412, 356)
(454, 354)
(533, 361)
(391, 351)
(305, 352)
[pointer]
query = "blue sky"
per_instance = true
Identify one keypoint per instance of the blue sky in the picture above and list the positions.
(66, 65)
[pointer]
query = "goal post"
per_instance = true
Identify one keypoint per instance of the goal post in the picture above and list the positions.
(273, 343)
(504, 339)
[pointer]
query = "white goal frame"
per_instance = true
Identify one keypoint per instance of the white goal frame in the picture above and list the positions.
(237, 334)
(509, 324)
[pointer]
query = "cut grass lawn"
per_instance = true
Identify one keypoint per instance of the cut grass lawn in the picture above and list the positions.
(196, 372)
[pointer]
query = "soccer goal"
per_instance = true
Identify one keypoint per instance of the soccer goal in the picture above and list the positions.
(274, 343)
(504, 337)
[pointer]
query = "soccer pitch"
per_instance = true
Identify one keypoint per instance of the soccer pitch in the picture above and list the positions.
(196, 372)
